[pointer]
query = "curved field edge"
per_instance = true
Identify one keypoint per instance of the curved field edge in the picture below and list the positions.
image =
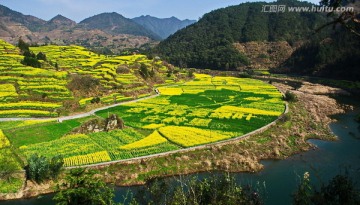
(101, 147)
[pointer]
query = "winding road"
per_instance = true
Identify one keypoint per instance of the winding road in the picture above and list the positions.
(81, 115)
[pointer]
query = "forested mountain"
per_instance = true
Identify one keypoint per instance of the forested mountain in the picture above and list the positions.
(209, 43)
(336, 56)
(115, 23)
(163, 27)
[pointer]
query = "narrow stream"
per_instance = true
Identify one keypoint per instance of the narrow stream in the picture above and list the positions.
(282, 176)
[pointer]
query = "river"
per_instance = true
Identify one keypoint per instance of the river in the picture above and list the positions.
(282, 176)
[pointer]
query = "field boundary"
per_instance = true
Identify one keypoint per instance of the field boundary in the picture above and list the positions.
(81, 115)
(223, 142)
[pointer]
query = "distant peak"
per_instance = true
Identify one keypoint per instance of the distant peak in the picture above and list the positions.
(61, 20)
(60, 17)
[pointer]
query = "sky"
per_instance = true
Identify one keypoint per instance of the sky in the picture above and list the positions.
(78, 10)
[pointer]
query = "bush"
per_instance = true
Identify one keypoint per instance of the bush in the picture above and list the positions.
(284, 117)
(84, 84)
(340, 190)
(144, 72)
(290, 97)
(83, 187)
(23, 45)
(41, 56)
(30, 61)
(244, 75)
(40, 168)
(215, 190)
(190, 74)
(122, 70)
(95, 100)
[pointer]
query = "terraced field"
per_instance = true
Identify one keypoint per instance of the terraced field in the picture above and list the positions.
(41, 92)
(205, 110)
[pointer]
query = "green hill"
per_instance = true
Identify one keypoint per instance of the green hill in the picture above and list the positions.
(209, 43)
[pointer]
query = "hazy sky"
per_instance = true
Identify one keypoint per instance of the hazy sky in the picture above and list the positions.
(78, 10)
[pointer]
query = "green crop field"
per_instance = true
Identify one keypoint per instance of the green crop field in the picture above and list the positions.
(202, 111)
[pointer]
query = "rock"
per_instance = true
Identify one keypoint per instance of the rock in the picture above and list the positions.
(276, 151)
(113, 122)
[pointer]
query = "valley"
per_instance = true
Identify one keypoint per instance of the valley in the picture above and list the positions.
(160, 107)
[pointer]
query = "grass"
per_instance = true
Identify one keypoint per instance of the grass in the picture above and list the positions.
(32, 134)
(11, 186)
(15, 182)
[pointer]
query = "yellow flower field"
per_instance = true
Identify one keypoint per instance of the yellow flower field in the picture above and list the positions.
(92, 158)
(170, 91)
(4, 142)
(151, 140)
(190, 136)
(233, 109)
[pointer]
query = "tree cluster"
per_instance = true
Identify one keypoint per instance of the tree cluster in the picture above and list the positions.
(40, 168)
(83, 187)
(339, 190)
(145, 72)
(30, 59)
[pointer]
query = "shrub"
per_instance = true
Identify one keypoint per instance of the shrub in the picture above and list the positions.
(290, 97)
(122, 70)
(40, 168)
(41, 56)
(339, 190)
(30, 61)
(84, 84)
(144, 71)
(244, 75)
(95, 100)
(23, 45)
(84, 187)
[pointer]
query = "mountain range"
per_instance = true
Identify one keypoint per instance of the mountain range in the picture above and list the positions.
(106, 32)
(163, 27)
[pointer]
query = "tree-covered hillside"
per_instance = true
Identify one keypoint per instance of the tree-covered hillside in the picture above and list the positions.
(209, 43)
(336, 56)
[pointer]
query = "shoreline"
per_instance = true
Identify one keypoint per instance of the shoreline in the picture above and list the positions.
(239, 155)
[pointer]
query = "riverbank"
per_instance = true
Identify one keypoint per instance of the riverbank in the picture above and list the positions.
(308, 118)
